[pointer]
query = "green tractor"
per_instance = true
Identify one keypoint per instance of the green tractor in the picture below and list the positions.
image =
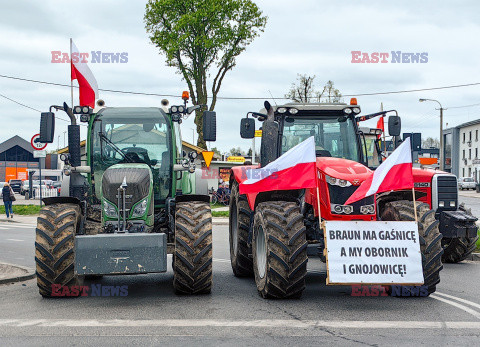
(137, 197)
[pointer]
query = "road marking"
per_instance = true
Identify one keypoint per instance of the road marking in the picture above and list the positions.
(4, 226)
(221, 260)
(457, 305)
(16, 240)
(471, 303)
(261, 323)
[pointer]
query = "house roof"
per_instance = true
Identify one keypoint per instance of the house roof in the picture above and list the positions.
(184, 143)
(467, 124)
(16, 141)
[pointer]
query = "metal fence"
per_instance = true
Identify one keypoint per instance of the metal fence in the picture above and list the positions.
(46, 193)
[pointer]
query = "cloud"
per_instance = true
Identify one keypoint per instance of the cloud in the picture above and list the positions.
(312, 37)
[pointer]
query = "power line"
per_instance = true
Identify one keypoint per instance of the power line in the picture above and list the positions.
(19, 103)
(31, 108)
(465, 106)
(247, 98)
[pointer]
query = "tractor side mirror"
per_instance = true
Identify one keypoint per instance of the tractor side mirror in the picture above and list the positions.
(247, 128)
(269, 146)
(209, 126)
(394, 125)
(47, 127)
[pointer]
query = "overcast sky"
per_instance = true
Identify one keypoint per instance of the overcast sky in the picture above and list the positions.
(306, 36)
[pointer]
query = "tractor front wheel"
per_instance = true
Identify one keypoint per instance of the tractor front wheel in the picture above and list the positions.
(192, 261)
(429, 237)
(239, 224)
(57, 225)
(279, 250)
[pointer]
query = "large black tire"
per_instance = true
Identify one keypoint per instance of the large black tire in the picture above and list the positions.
(279, 250)
(192, 261)
(457, 249)
(239, 225)
(429, 237)
(57, 225)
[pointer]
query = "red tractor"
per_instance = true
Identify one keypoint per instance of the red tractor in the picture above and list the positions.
(270, 241)
(440, 192)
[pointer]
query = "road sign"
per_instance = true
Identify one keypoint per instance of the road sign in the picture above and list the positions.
(207, 156)
(233, 159)
(41, 153)
(37, 145)
(258, 133)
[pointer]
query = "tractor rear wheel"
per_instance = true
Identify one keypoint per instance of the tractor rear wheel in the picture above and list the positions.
(239, 225)
(429, 237)
(279, 250)
(192, 261)
(457, 249)
(57, 225)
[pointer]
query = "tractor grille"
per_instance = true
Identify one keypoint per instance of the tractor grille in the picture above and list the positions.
(338, 196)
(138, 184)
(444, 188)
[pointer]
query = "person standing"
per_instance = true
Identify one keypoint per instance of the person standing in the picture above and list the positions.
(8, 197)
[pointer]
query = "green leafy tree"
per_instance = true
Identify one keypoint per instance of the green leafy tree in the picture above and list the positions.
(202, 39)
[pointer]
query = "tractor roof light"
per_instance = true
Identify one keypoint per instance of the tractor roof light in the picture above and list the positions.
(174, 109)
(292, 111)
(281, 110)
(77, 110)
(353, 101)
(85, 109)
(356, 110)
(185, 95)
(181, 109)
(347, 110)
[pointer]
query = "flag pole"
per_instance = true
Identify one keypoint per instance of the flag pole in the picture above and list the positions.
(414, 205)
(318, 206)
(71, 81)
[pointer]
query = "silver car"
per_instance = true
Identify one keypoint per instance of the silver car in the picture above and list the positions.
(466, 183)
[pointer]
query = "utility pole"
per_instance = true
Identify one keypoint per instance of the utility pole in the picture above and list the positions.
(441, 152)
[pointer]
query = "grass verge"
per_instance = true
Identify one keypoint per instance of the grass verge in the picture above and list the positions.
(478, 244)
(220, 213)
(22, 209)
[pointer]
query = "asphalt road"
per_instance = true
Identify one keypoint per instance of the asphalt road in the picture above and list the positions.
(234, 313)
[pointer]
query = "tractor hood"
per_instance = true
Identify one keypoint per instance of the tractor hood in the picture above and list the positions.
(343, 169)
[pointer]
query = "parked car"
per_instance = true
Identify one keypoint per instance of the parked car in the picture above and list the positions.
(16, 185)
(1, 186)
(36, 185)
(24, 187)
(466, 183)
(58, 186)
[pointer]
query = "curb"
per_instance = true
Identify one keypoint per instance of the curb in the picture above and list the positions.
(220, 221)
(30, 274)
(474, 257)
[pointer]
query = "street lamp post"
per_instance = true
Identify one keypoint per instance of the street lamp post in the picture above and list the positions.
(441, 153)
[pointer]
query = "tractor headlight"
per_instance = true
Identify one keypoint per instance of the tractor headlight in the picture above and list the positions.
(337, 181)
(347, 209)
(338, 209)
(85, 109)
(109, 209)
(281, 110)
(356, 110)
(441, 204)
(347, 110)
(452, 203)
(140, 208)
(292, 111)
(367, 209)
(174, 109)
(330, 179)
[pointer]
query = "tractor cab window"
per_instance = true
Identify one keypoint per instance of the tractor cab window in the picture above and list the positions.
(119, 138)
(332, 138)
(371, 151)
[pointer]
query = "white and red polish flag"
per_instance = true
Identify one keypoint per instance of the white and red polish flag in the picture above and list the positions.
(394, 173)
(295, 169)
(86, 81)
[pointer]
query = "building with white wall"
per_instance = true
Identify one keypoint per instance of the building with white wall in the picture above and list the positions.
(461, 148)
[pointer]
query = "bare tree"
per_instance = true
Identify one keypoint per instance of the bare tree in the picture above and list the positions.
(303, 91)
